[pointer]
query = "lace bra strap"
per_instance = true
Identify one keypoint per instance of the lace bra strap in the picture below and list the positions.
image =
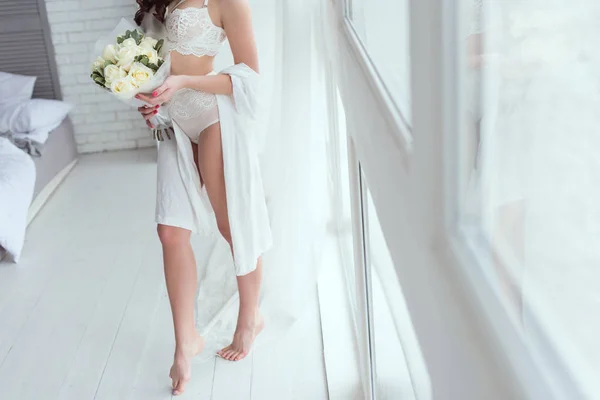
(180, 2)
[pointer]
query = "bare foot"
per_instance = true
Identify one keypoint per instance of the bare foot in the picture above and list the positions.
(181, 371)
(244, 336)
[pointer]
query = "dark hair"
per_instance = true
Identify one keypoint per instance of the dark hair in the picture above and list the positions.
(160, 8)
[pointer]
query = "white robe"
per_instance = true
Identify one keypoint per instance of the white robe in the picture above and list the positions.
(247, 211)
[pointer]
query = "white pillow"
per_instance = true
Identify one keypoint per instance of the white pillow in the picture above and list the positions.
(39, 135)
(15, 88)
(32, 115)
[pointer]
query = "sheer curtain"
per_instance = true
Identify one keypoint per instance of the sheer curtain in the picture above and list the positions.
(291, 135)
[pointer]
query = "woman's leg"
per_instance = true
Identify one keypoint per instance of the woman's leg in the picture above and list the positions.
(250, 323)
(181, 277)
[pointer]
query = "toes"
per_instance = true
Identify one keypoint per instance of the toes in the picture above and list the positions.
(173, 380)
(231, 354)
(223, 351)
(226, 352)
(180, 387)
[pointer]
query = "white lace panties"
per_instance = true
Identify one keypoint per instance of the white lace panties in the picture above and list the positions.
(193, 111)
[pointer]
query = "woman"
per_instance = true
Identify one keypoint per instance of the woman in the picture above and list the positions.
(205, 112)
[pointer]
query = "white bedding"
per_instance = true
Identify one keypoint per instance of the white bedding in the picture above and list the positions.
(17, 180)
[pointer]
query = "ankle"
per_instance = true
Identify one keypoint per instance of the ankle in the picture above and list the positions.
(248, 318)
(187, 345)
(249, 311)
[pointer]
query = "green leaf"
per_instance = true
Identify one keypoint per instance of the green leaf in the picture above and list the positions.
(159, 45)
(153, 67)
(138, 37)
(107, 63)
(160, 62)
(120, 39)
(145, 60)
(138, 58)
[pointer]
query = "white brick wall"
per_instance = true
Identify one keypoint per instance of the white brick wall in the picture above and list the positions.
(101, 122)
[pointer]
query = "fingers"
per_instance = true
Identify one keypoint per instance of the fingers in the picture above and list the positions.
(159, 96)
(147, 110)
(150, 115)
(159, 90)
(161, 99)
(154, 97)
(146, 98)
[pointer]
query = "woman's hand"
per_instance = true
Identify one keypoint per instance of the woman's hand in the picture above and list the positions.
(164, 92)
(147, 113)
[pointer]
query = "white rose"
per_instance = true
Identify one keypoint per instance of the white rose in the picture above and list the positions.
(148, 43)
(129, 43)
(150, 53)
(112, 73)
(140, 74)
(110, 53)
(98, 65)
(123, 87)
(126, 56)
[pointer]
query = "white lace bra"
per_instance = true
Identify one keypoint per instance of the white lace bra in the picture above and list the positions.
(191, 31)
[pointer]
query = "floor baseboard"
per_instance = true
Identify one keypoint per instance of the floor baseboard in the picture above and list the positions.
(47, 191)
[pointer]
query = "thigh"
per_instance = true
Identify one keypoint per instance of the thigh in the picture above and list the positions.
(210, 161)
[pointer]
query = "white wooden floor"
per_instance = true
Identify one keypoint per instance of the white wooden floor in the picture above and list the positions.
(85, 313)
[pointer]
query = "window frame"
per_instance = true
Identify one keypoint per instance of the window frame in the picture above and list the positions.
(541, 372)
(393, 113)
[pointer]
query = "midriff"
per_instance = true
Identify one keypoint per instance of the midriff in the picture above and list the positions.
(191, 64)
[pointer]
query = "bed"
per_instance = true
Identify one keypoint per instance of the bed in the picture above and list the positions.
(27, 49)
(57, 160)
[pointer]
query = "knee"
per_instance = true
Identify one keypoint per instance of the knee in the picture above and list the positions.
(172, 236)
(223, 226)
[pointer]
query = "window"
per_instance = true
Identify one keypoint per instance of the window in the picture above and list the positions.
(341, 193)
(528, 148)
(398, 363)
(383, 29)
(389, 353)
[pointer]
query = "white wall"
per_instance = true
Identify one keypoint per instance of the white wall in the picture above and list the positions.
(101, 122)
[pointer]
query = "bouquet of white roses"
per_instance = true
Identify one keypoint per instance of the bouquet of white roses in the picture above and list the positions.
(130, 63)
